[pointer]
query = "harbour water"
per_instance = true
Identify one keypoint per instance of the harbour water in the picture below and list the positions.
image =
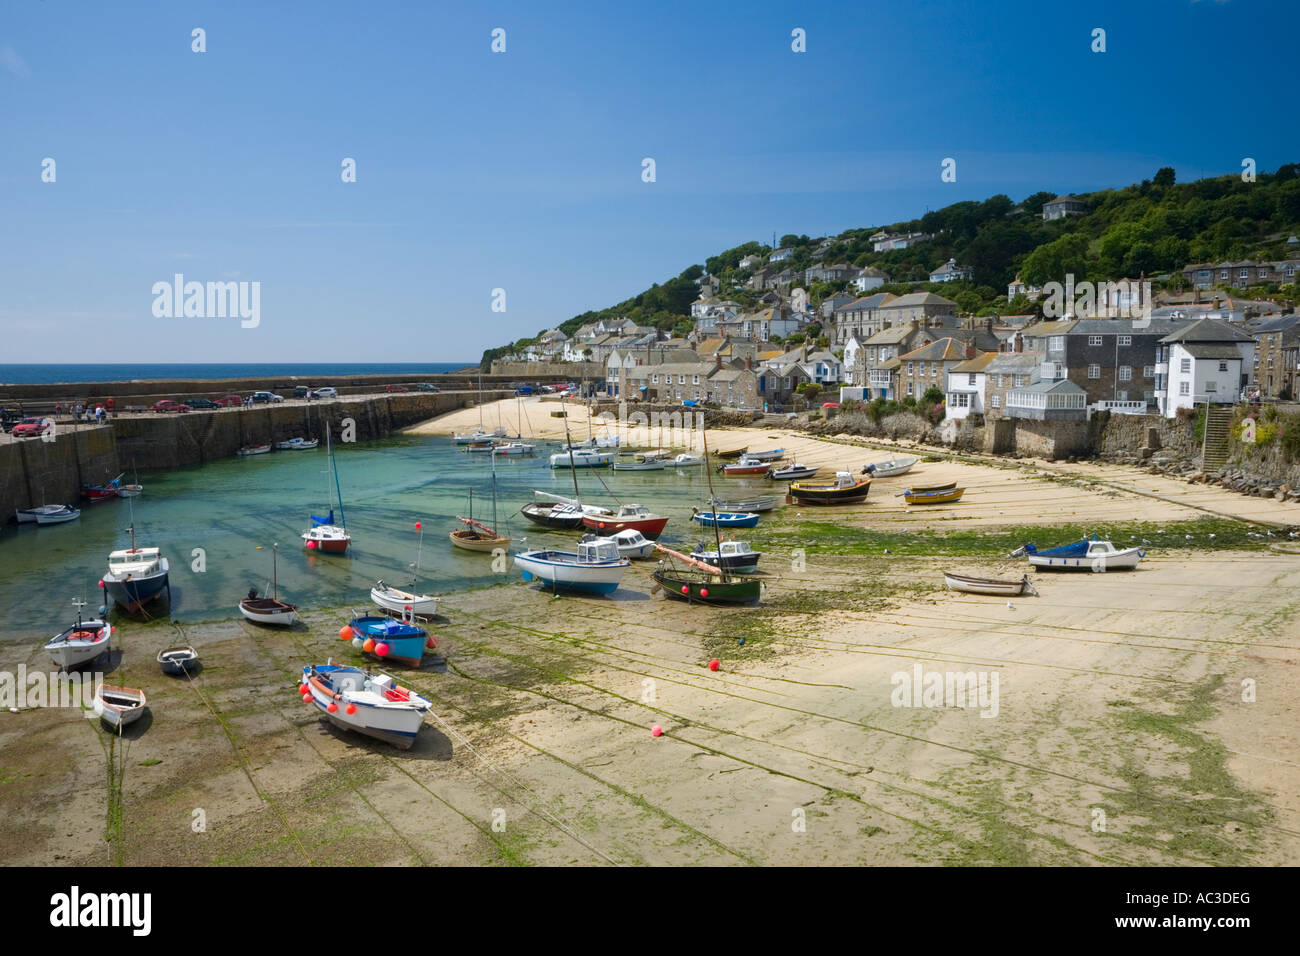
(214, 517)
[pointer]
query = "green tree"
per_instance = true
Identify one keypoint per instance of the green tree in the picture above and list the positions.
(1052, 261)
(1164, 176)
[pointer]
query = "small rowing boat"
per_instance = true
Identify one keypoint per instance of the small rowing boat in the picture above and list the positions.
(793, 472)
(118, 706)
(687, 461)
(269, 610)
(732, 454)
(776, 454)
(297, 444)
(758, 503)
(895, 466)
(925, 489)
(915, 496)
(48, 514)
(724, 519)
(248, 451)
(178, 660)
(970, 585)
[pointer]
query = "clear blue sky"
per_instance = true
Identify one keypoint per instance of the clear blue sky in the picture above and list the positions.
(522, 170)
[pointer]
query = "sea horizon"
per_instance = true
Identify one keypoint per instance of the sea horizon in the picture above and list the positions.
(34, 373)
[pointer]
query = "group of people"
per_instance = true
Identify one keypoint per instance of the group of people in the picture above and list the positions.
(84, 413)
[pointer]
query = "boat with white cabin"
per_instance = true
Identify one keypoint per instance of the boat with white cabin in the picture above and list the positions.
(81, 643)
(368, 703)
(1085, 555)
(596, 568)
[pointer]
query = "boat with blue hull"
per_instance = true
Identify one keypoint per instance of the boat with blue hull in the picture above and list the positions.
(370, 704)
(597, 567)
(726, 519)
(390, 639)
(1088, 554)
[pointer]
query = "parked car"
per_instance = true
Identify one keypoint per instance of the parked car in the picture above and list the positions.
(167, 405)
(301, 391)
(394, 388)
(524, 390)
(546, 390)
(30, 428)
(260, 398)
(329, 391)
(427, 387)
(203, 403)
(231, 400)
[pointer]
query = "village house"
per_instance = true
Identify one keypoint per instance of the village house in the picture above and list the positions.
(874, 370)
(868, 278)
(916, 306)
(728, 385)
(1275, 340)
(1063, 206)
(1205, 361)
(885, 241)
(549, 347)
(1059, 400)
(950, 272)
(860, 317)
(835, 273)
(833, 302)
(621, 366)
(780, 255)
(1004, 372)
(1239, 275)
(1018, 287)
(928, 366)
(966, 384)
(750, 261)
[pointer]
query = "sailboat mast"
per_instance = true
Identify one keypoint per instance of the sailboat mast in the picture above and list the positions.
(275, 573)
(568, 440)
(494, 489)
(329, 443)
(713, 501)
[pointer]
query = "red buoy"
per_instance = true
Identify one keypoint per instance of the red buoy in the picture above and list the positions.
(101, 583)
(345, 633)
(352, 708)
(656, 731)
(333, 707)
(685, 589)
(714, 665)
(381, 650)
(369, 645)
(417, 526)
(704, 592)
(304, 689)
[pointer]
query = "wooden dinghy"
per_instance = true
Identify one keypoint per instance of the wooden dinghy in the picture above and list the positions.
(119, 706)
(917, 497)
(925, 489)
(178, 659)
(477, 537)
(732, 454)
(844, 490)
(972, 585)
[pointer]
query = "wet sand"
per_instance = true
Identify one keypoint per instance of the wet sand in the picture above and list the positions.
(1121, 734)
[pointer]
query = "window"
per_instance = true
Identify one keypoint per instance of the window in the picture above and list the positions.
(1125, 373)
(1148, 371)
(1223, 273)
(909, 368)
(1223, 366)
(996, 401)
(1185, 365)
(1056, 343)
(1203, 274)
(934, 369)
(654, 379)
(959, 400)
(1184, 388)
(681, 380)
(970, 379)
(1094, 371)
(1094, 340)
(1211, 386)
(1021, 380)
(695, 380)
(1121, 396)
(1126, 340)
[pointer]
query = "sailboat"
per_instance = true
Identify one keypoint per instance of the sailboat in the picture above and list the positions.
(479, 537)
(556, 511)
(135, 575)
(264, 610)
(324, 534)
(404, 602)
(701, 582)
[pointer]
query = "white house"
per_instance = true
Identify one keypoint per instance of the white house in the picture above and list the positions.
(966, 386)
(869, 278)
(750, 261)
(950, 272)
(850, 359)
(780, 255)
(1206, 361)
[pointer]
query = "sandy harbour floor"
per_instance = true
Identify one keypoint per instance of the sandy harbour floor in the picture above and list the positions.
(1145, 717)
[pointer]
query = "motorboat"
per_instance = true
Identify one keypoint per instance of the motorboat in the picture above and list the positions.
(844, 490)
(81, 643)
(596, 568)
(365, 702)
(1085, 555)
(635, 517)
(735, 556)
(48, 514)
(631, 544)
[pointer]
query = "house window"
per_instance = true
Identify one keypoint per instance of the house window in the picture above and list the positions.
(681, 380)
(1185, 365)
(695, 380)
(1148, 371)
(909, 368)
(1223, 273)
(1126, 340)
(1094, 340)
(1184, 388)
(1021, 380)
(1056, 343)
(1121, 396)
(1094, 371)
(1223, 366)
(996, 401)
(1125, 373)
(654, 379)
(1203, 274)
(934, 369)
(970, 379)
(1211, 386)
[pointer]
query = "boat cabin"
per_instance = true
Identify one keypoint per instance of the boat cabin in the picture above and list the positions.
(133, 561)
(598, 552)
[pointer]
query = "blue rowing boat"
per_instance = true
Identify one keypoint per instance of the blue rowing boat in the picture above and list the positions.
(726, 519)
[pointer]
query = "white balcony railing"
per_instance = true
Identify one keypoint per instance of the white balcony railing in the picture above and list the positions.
(1162, 368)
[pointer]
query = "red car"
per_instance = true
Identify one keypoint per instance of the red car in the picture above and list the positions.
(394, 388)
(30, 428)
(233, 401)
(167, 405)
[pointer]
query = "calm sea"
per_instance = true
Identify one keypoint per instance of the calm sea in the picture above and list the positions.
(49, 374)
(209, 521)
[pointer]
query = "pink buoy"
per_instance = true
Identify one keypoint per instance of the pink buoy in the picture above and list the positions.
(704, 592)
(417, 526)
(352, 708)
(101, 584)
(381, 650)
(714, 665)
(656, 731)
(311, 545)
(685, 589)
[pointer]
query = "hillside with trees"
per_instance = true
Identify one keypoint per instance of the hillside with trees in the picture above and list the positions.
(1147, 230)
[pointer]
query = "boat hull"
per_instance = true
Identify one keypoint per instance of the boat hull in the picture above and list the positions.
(178, 661)
(134, 592)
(467, 541)
(650, 528)
(390, 722)
(991, 586)
(1120, 561)
(913, 497)
(792, 474)
(268, 611)
(391, 599)
(724, 520)
(563, 575)
(406, 642)
(895, 466)
(119, 706)
(745, 471)
(737, 563)
(328, 538)
(704, 588)
(69, 651)
(589, 460)
(814, 495)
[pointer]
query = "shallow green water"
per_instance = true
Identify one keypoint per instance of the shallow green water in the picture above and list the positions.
(230, 507)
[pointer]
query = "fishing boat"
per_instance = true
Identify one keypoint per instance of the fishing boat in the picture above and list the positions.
(101, 492)
(642, 462)
(478, 435)
(370, 704)
(776, 454)
(250, 450)
(631, 544)
(596, 568)
(81, 643)
(892, 467)
(634, 517)
(324, 534)
(844, 490)
(391, 599)
(994, 586)
(734, 556)
(944, 496)
(704, 583)
(269, 610)
(686, 460)
(745, 468)
(724, 519)
(178, 660)
(297, 444)
(758, 503)
(582, 458)
(48, 514)
(485, 447)
(556, 511)
(732, 454)
(1085, 555)
(135, 576)
(793, 472)
(389, 639)
(118, 706)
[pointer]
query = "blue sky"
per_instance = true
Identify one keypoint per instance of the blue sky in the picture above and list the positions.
(522, 170)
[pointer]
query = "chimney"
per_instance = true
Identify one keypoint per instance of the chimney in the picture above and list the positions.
(717, 360)
(749, 362)
(970, 350)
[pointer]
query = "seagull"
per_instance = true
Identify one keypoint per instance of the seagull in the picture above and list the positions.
(1269, 533)
(1211, 534)
(1010, 606)
(1187, 537)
